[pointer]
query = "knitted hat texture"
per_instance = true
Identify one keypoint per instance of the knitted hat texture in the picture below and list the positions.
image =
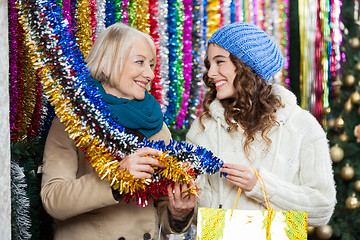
(252, 46)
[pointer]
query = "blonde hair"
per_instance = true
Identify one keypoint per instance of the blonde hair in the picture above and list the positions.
(107, 56)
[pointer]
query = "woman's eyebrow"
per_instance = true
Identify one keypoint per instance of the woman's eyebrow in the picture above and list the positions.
(219, 56)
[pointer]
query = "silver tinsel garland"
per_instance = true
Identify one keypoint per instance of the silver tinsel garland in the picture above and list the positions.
(20, 204)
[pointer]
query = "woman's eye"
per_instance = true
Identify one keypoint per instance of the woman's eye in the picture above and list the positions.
(152, 66)
(219, 62)
(141, 62)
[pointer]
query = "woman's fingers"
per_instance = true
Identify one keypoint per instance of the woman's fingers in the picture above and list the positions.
(147, 151)
(237, 170)
(147, 161)
(181, 202)
(240, 175)
(177, 191)
(140, 164)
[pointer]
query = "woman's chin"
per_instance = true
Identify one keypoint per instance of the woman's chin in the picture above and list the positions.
(140, 97)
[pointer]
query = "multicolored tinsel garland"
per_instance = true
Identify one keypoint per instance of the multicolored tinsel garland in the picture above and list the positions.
(87, 118)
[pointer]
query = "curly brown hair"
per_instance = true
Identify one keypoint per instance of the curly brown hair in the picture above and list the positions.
(253, 106)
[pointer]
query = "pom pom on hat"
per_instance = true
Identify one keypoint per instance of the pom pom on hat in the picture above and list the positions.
(252, 46)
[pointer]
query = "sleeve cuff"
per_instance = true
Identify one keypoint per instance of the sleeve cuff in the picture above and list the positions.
(179, 225)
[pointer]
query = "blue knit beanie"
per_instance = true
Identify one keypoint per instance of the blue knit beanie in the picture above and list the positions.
(252, 46)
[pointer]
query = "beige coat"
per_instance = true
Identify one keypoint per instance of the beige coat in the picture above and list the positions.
(83, 205)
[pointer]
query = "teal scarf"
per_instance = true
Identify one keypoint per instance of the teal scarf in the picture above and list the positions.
(142, 115)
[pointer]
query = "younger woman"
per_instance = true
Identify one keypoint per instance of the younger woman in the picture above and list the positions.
(249, 123)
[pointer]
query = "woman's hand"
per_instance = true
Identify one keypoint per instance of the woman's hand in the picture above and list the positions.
(240, 175)
(139, 164)
(181, 201)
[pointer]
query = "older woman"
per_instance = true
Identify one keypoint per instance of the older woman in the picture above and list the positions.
(121, 63)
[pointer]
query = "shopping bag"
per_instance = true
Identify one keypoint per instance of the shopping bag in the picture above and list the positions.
(250, 224)
(232, 224)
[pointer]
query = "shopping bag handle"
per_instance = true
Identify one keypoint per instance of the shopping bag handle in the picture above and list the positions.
(269, 209)
(263, 189)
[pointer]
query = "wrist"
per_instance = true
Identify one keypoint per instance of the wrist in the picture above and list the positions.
(183, 216)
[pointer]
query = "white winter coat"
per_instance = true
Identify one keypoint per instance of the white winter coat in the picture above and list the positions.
(296, 169)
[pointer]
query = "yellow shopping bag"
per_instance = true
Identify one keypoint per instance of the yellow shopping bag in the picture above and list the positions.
(230, 224)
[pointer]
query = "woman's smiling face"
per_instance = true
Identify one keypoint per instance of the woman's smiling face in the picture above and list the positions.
(138, 71)
(222, 71)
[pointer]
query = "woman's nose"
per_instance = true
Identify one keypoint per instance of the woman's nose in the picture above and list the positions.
(212, 72)
(149, 73)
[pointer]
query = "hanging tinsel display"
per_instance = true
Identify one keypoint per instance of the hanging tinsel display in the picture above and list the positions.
(87, 117)
(323, 42)
(25, 88)
(180, 29)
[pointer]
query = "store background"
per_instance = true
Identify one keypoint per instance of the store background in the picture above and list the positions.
(319, 40)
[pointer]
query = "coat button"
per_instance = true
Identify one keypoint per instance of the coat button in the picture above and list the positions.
(147, 236)
(121, 238)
